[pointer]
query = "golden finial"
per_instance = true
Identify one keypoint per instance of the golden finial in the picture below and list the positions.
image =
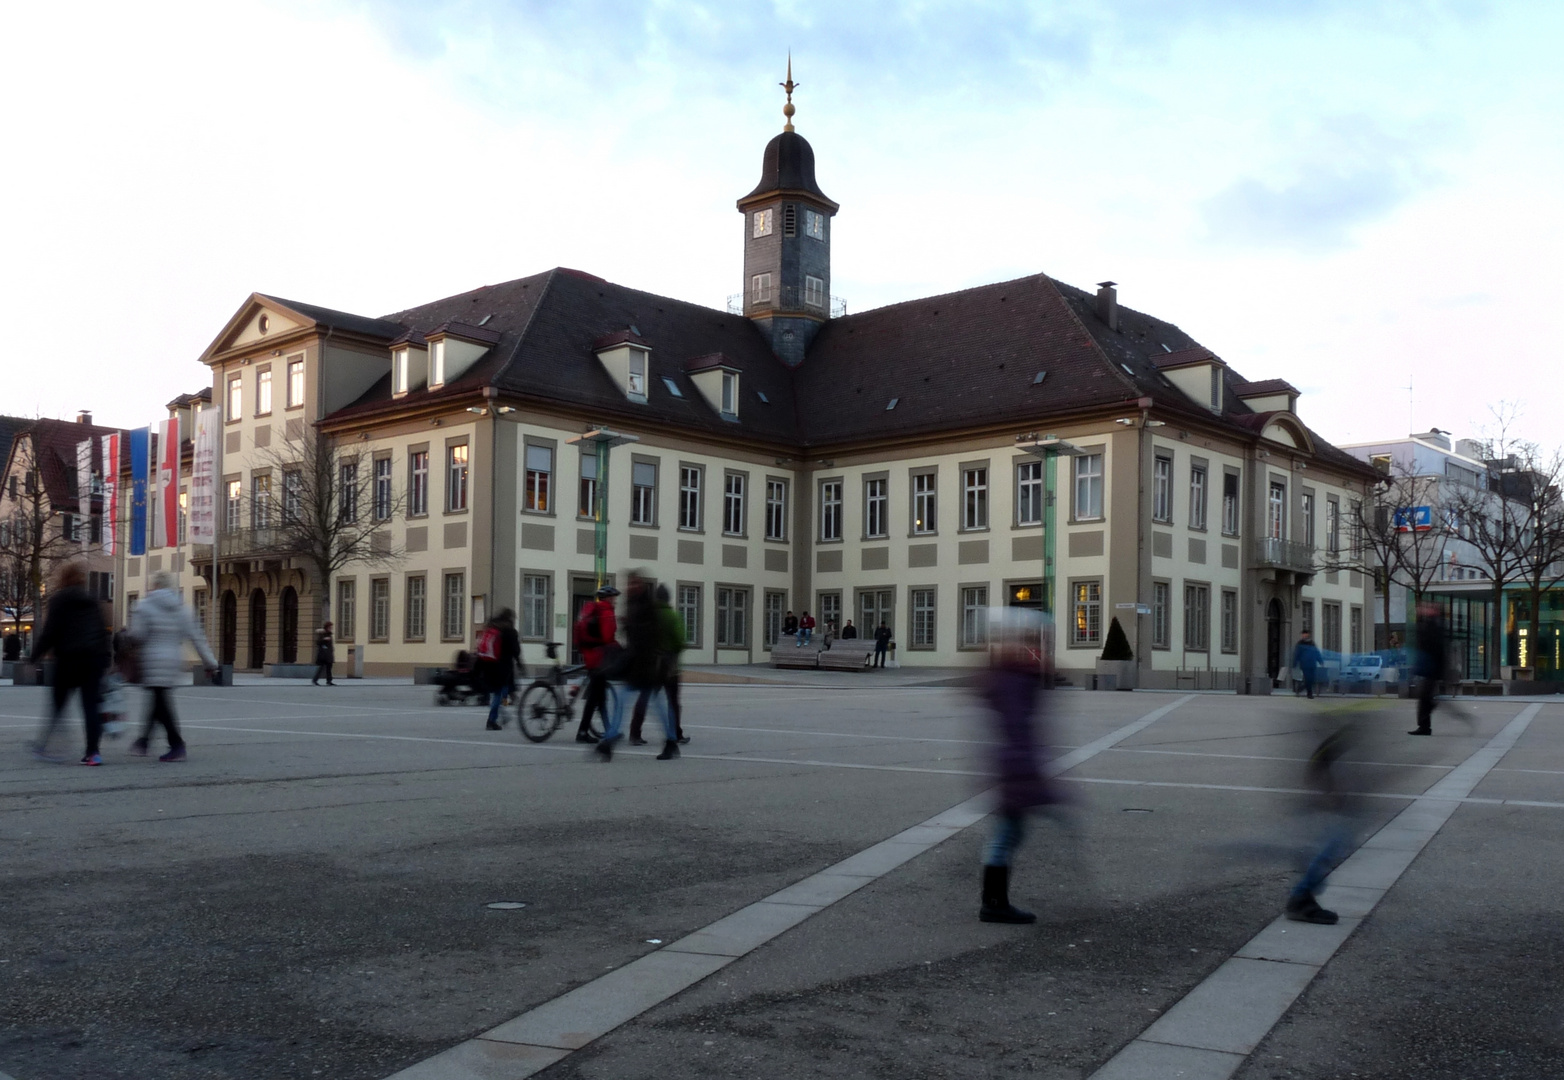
(789, 86)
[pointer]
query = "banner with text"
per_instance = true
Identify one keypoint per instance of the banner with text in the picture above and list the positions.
(109, 448)
(203, 477)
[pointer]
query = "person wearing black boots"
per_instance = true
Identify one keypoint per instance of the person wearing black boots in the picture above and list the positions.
(1014, 692)
(643, 668)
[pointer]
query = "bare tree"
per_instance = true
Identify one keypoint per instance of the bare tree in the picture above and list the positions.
(34, 538)
(1533, 485)
(1399, 534)
(326, 506)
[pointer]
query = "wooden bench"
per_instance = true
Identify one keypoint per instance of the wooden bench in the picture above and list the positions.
(853, 654)
(793, 656)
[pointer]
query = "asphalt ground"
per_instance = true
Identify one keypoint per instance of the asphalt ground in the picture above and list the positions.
(307, 895)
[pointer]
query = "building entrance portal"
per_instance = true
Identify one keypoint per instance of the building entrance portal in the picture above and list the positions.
(257, 629)
(290, 625)
(229, 631)
(1273, 639)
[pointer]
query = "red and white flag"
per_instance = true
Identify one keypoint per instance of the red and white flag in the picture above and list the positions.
(165, 514)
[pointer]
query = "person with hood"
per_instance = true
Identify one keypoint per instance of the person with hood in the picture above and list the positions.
(499, 651)
(74, 631)
(160, 626)
(1306, 658)
(325, 654)
(675, 639)
(597, 637)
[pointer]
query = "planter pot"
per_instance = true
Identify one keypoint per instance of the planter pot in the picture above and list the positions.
(1122, 674)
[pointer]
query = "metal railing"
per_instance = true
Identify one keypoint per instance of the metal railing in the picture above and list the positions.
(265, 540)
(786, 299)
(1284, 554)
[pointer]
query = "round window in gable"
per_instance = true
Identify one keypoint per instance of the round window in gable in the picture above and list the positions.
(265, 323)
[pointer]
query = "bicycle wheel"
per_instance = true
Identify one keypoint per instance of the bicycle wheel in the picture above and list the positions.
(541, 710)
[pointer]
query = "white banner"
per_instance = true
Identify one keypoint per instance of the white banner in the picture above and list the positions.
(109, 445)
(83, 488)
(203, 477)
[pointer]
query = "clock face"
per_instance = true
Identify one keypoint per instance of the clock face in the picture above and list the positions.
(814, 224)
(763, 222)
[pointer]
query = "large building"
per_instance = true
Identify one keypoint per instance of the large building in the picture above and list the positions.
(1025, 442)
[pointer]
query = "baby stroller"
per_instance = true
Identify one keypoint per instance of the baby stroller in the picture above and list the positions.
(459, 685)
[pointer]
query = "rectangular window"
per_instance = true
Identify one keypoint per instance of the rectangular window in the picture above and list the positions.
(733, 505)
(295, 381)
(1355, 633)
(260, 502)
(235, 397)
(184, 520)
(1197, 496)
(814, 291)
(417, 599)
(231, 506)
(1161, 627)
(1330, 617)
(436, 363)
(831, 510)
(637, 380)
(760, 288)
(1029, 493)
(534, 606)
(453, 607)
(399, 372)
(643, 493)
(1229, 621)
(1086, 624)
(690, 612)
(730, 393)
(1333, 526)
(925, 505)
(1307, 510)
(974, 498)
(456, 477)
(1088, 487)
(923, 619)
(1276, 512)
(689, 497)
(1306, 621)
(382, 488)
(263, 392)
(733, 618)
(830, 606)
(1197, 618)
(379, 609)
(347, 607)
(347, 491)
(1355, 528)
(776, 603)
(1230, 504)
(776, 509)
(586, 504)
(418, 483)
(1162, 489)
(974, 616)
(292, 497)
(540, 476)
(876, 522)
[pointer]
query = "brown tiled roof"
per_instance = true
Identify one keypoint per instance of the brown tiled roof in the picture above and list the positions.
(1265, 386)
(618, 337)
(1180, 357)
(340, 320)
(54, 445)
(479, 335)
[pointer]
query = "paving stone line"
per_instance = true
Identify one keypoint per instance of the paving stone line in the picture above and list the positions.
(540, 1037)
(1213, 1029)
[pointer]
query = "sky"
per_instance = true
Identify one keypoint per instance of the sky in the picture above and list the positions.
(1361, 198)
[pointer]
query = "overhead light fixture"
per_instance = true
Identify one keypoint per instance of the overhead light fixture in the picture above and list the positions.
(504, 410)
(1156, 423)
(477, 410)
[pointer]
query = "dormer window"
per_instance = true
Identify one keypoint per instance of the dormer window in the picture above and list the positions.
(1216, 389)
(637, 382)
(436, 363)
(730, 393)
(399, 373)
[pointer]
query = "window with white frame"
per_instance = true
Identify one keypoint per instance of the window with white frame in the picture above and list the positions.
(260, 502)
(776, 604)
(974, 498)
(925, 504)
(1355, 528)
(537, 495)
(399, 371)
(1330, 629)
(974, 616)
(263, 392)
(760, 288)
(924, 622)
(831, 510)
(347, 607)
(732, 617)
(417, 600)
(235, 398)
(814, 291)
(418, 483)
(1161, 627)
(876, 521)
(730, 393)
(379, 609)
(690, 497)
(184, 518)
(231, 506)
(1230, 504)
(1307, 510)
(347, 491)
(830, 609)
(1088, 487)
(534, 606)
(1197, 496)
(1333, 526)
(292, 499)
(1306, 618)
(690, 612)
(1086, 613)
(1355, 632)
(637, 378)
(295, 381)
(1229, 621)
(453, 607)
(1197, 618)
(643, 493)
(776, 509)
(383, 497)
(586, 501)
(1029, 493)
(456, 462)
(733, 505)
(1276, 512)
(1162, 488)
(437, 362)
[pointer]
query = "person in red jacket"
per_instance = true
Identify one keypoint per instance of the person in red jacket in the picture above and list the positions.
(806, 629)
(596, 636)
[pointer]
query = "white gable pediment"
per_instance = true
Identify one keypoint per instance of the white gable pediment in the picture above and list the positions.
(256, 322)
(1284, 434)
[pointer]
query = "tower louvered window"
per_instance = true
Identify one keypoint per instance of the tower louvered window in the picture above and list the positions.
(789, 219)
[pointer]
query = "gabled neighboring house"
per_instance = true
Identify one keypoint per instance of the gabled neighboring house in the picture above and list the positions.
(1022, 443)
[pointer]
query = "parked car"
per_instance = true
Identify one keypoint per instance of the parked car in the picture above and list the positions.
(1367, 667)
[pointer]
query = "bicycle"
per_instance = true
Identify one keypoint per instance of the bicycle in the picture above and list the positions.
(550, 701)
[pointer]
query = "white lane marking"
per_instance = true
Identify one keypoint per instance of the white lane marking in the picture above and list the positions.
(1272, 757)
(564, 1024)
(1405, 796)
(1213, 1029)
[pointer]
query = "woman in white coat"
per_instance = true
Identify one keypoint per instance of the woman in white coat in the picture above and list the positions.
(160, 626)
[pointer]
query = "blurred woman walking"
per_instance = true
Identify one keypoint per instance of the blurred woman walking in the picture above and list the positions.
(160, 626)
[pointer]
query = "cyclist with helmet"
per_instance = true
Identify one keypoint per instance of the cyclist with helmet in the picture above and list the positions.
(596, 637)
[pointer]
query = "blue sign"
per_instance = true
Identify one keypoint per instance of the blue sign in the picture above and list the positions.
(139, 455)
(1414, 519)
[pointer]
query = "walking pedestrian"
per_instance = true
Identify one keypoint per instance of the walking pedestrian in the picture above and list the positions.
(325, 653)
(1014, 690)
(642, 666)
(674, 642)
(882, 643)
(1332, 825)
(806, 629)
(160, 626)
(75, 634)
(499, 651)
(1432, 657)
(1306, 658)
(596, 636)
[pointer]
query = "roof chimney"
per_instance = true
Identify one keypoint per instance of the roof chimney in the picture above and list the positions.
(1108, 303)
(84, 417)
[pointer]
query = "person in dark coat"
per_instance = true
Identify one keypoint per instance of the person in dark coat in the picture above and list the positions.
(644, 665)
(597, 637)
(790, 625)
(1306, 658)
(882, 643)
(1013, 690)
(849, 632)
(325, 654)
(1433, 655)
(75, 633)
(13, 647)
(498, 676)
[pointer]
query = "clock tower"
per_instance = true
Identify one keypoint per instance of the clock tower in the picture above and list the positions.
(787, 243)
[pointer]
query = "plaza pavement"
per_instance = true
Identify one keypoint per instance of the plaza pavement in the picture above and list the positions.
(796, 897)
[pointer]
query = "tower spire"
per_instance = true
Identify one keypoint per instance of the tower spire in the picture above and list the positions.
(789, 86)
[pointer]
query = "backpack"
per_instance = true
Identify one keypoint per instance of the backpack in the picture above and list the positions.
(489, 643)
(589, 629)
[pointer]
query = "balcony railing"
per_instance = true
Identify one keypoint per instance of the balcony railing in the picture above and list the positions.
(787, 299)
(246, 543)
(1284, 554)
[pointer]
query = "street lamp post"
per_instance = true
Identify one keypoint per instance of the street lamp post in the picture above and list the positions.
(1048, 448)
(603, 440)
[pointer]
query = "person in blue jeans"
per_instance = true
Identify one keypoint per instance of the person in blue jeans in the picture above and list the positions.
(497, 674)
(1306, 659)
(806, 629)
(644, 666)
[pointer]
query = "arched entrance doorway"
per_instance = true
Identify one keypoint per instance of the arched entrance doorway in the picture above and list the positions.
(229, 630)
(257, 629)
(289, 627)
(1273, 638)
